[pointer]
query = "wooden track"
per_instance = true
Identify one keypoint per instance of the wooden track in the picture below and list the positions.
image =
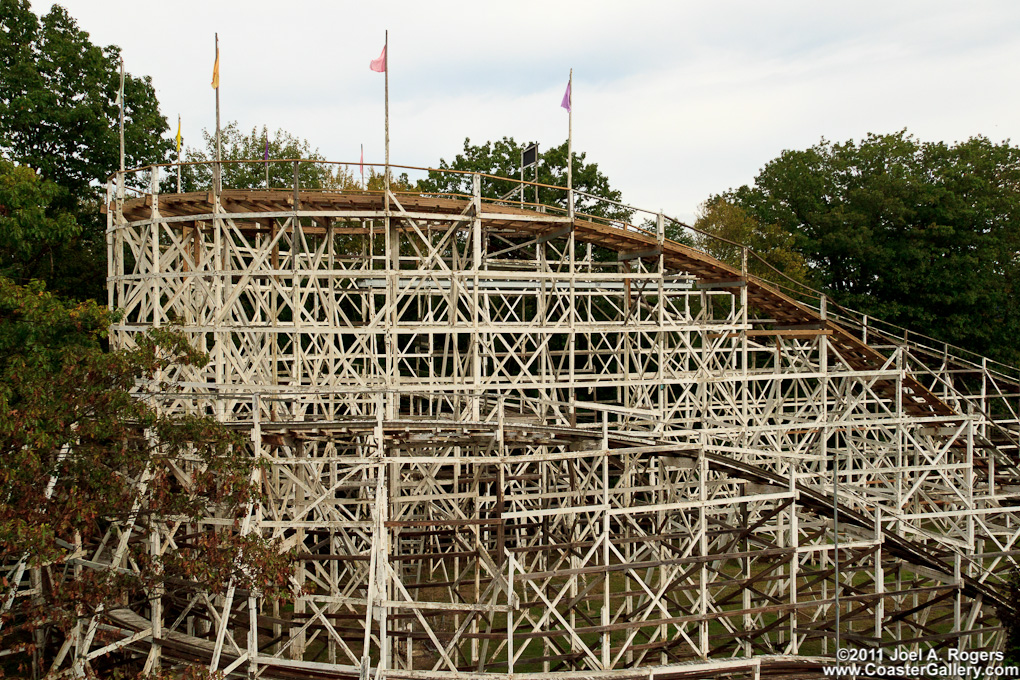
(508, 219)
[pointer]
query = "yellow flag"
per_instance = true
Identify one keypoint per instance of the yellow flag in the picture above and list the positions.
(216, 71)
(178, 136)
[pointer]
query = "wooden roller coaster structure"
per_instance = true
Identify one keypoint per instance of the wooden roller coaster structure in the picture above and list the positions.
(513, 439)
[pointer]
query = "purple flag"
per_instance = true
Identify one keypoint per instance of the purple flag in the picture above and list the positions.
(266, 156)
(566, 97)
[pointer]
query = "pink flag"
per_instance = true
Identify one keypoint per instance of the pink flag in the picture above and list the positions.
(379, 65)
(566, 98)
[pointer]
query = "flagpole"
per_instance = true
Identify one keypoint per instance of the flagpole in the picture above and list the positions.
(571, 239)
(122, 114)
(570, 146)
(178, 153)
(386, 71)
(266, 159)
(219, 168)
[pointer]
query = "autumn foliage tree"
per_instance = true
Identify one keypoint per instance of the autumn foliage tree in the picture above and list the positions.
(85, 464)
(93, 473)
(725, 229)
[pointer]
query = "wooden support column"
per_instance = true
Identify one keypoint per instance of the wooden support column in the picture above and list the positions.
(392, 366)
(476, 265)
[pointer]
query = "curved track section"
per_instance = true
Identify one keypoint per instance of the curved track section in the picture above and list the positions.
(634, 244)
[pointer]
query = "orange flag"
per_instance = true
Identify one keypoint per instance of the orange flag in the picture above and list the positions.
(216, 70)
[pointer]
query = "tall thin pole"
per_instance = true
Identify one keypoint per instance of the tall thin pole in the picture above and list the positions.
(570, 146)
(178, 153)
(386, 72)
(121, 114)
(219, 151)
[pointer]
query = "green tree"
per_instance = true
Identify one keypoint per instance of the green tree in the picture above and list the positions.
(57, 102)
(924, 235)
(58, 116)
(32, 231)
(75, 447)
(283, 146)
(503, 159)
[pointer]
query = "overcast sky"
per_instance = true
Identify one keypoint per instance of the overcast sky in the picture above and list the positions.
(673, 100)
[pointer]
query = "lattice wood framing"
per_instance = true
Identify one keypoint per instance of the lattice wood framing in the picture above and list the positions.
(509, 441)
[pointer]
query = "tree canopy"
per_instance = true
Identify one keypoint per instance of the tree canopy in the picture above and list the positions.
(921, 234)
(32, 229)
(282, 145)
(58, 116)
(503, 159)
(57, 101)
